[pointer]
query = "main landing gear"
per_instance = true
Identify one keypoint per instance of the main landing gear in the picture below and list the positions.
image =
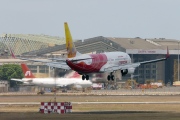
(110, 77)
(85, 77)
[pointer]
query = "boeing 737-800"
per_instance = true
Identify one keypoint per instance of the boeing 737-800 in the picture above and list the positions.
(86, 64)
(50, 82)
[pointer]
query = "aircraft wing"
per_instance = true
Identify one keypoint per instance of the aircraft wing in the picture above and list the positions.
(58, 59)
(133, 65)
(38, 60)
(58, 65)
(20, 80)
(152, 61)
(61, 63)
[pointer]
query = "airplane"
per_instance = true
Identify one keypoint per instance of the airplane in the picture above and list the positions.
(30, 79)
(86, 64)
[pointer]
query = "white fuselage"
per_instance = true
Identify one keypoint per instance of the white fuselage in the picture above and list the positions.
(59, 82)
(116, 59)
(95, 63)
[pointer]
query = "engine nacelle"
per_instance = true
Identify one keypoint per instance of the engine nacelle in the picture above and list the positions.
(127, 71)
(124, 72)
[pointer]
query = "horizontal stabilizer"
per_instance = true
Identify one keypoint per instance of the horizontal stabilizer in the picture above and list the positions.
(80, 59)
(20, 80)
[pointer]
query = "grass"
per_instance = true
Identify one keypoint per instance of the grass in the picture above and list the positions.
(91, 116)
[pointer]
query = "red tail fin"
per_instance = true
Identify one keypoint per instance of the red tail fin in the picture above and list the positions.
(26, 71)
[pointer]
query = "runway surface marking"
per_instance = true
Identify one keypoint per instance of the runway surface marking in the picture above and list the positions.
(38, 103)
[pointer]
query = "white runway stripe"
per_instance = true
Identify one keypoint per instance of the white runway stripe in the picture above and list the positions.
(38, 103)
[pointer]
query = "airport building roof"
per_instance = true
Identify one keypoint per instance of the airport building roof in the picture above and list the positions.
(107, 44)
(147, 46)
(135, 43)
(22, 43)
(139, 43)
(40, 38)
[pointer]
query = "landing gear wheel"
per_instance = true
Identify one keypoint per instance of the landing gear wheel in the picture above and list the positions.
(87, 77)
(109, 77)
(83, 77)
(112, 77)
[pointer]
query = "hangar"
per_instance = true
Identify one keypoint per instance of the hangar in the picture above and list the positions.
(140, 49)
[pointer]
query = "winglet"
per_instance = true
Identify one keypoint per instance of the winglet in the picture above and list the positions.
(71, 50)
(26, 71)
(167, 55)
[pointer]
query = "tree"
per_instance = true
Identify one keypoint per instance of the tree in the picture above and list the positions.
(8, 71)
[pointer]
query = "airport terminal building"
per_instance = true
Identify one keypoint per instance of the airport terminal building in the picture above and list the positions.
(138, 48)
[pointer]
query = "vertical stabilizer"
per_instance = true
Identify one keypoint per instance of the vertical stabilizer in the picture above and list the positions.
(26, 71)
(71, 50)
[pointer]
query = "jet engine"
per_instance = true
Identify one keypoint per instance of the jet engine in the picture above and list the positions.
(127, 71)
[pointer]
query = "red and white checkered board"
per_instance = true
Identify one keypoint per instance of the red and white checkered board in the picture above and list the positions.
(68, 107)
(56, 107)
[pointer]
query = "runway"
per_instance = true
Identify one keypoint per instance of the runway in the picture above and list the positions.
(38, 103)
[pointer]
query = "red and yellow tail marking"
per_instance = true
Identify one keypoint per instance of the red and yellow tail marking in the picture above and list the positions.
(71, 50)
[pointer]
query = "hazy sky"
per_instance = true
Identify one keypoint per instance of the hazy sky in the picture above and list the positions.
(91, 18)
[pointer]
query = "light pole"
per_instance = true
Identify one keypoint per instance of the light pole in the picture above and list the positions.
(55, 75)
(178, 60)
(132, 42)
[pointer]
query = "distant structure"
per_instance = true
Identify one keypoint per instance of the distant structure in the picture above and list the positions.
(22, 43)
